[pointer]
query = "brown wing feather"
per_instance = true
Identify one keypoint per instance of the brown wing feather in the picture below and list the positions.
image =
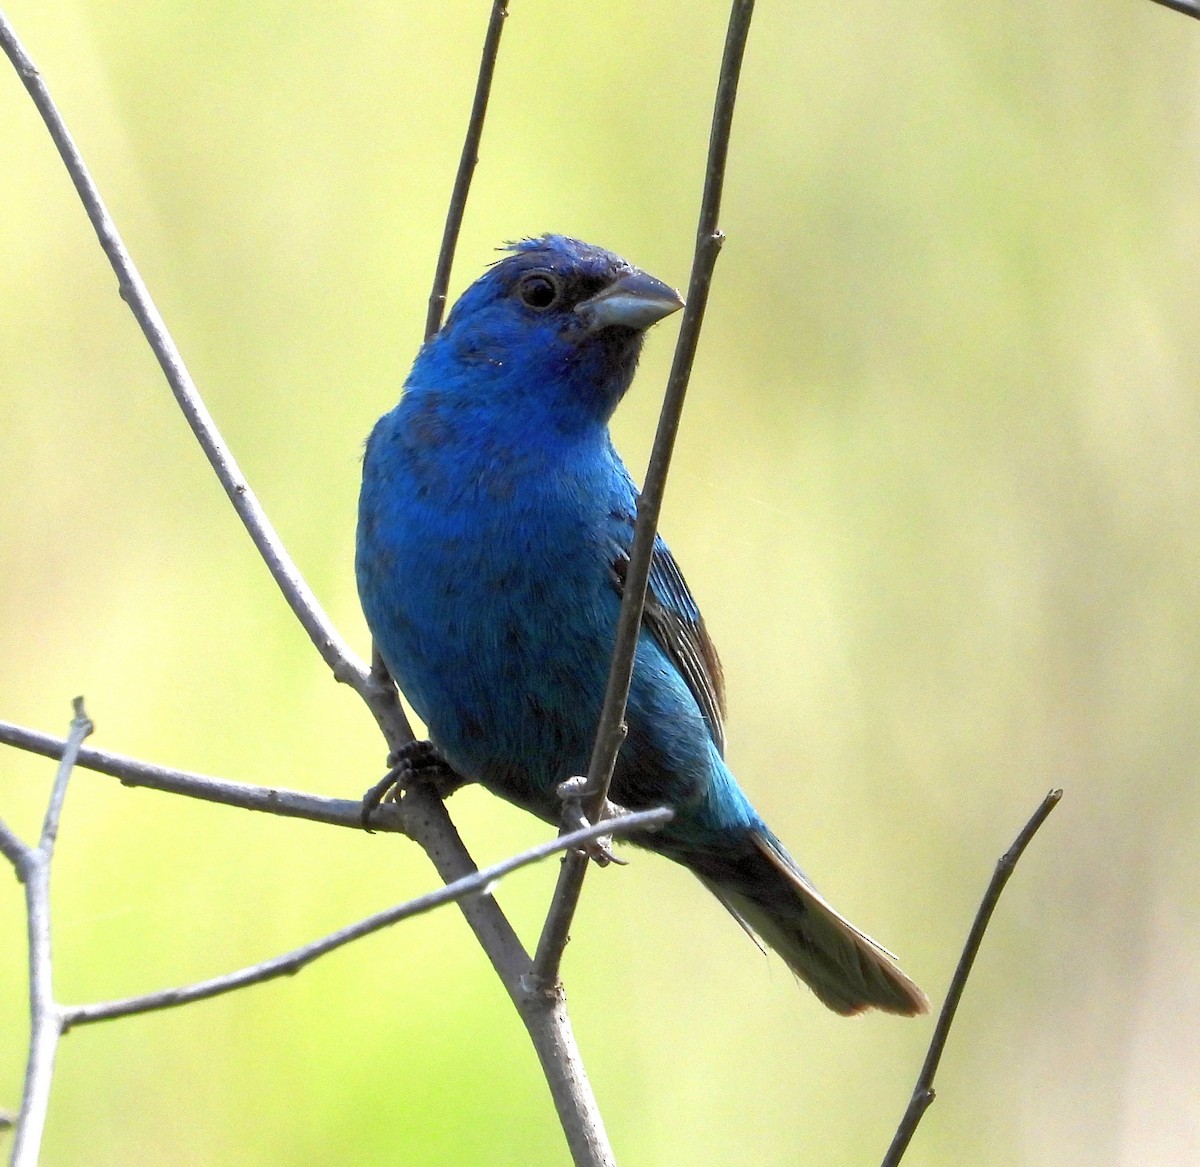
(674, 620)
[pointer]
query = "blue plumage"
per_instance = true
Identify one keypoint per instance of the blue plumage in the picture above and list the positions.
(495, 522)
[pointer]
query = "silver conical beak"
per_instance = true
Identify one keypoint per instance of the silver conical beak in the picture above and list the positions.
(635, 300)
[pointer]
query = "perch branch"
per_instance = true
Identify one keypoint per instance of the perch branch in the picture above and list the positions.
(466, 167)
(424, 816)
(923, 1093)
(277, 800)
(430, 825)
(11, 847)
(610, 733)
(539, 1002)
(292, 962)
(337, 654)
(46, 1022)
(1187, 7)
(341, 812)
(381, 689)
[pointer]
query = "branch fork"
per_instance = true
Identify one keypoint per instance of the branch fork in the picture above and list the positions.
(588, 819)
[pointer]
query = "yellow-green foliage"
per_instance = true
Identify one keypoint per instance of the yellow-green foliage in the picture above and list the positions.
(938, 490)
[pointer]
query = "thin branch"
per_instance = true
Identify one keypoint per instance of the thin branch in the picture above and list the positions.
(610, 733)
(554, 1042)
(485, 917)
(466, 167)
(1187, 7)
(423, 817)
(81, 728)
(383, 700)
(380, 683)
(328, 641)
(923, 1093)
(292, 962)
(542, 1009)
(45, 1027)
(11, 847)
(340, 812)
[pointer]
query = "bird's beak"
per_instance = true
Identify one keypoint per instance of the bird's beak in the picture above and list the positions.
(636, 300)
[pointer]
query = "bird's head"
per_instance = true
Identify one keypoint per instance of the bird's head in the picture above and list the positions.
(556, 320)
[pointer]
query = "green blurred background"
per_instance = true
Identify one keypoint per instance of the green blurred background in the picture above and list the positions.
(937, 489)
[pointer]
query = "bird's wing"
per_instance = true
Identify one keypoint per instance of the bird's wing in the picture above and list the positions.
(675, 622)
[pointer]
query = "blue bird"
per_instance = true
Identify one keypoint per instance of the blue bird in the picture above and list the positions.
(494, 528)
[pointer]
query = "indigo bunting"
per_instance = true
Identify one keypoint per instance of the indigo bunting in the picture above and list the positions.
(494, 528)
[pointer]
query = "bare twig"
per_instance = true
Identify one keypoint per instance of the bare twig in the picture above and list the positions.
(380, 681)
(11, 846)
(466, 167)
(542, 1009)
(424, 816)
(277, 800)
(46, 1022)
(340, 812)
(337, 654)
(292, 962)
(1187, 7)
(610, 733)
(81, 727)
(923, 1093)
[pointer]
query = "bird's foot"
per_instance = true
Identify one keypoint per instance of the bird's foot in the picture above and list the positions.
(573, 792)
(418, 761)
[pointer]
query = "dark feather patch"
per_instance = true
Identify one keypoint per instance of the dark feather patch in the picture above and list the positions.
(675, 622)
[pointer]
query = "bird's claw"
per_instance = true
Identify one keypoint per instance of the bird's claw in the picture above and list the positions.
(574, 818)
(418, 761)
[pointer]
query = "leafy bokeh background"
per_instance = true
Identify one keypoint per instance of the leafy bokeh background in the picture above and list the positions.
(937, 490)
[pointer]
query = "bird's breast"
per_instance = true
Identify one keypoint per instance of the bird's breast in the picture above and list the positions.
(483, 567)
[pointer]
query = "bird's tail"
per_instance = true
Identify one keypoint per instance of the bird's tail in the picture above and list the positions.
(756, 879)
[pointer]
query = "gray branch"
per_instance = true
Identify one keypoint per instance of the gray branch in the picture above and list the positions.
(467, 160)
(45, 1016)
(423, 817)
(923, 1094)
(337, 654)
(1187, 7)
(610, 733)
(339, 812)
(481, 883)
(545, 1018)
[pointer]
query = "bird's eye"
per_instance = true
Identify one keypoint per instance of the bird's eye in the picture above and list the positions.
(539, 290)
